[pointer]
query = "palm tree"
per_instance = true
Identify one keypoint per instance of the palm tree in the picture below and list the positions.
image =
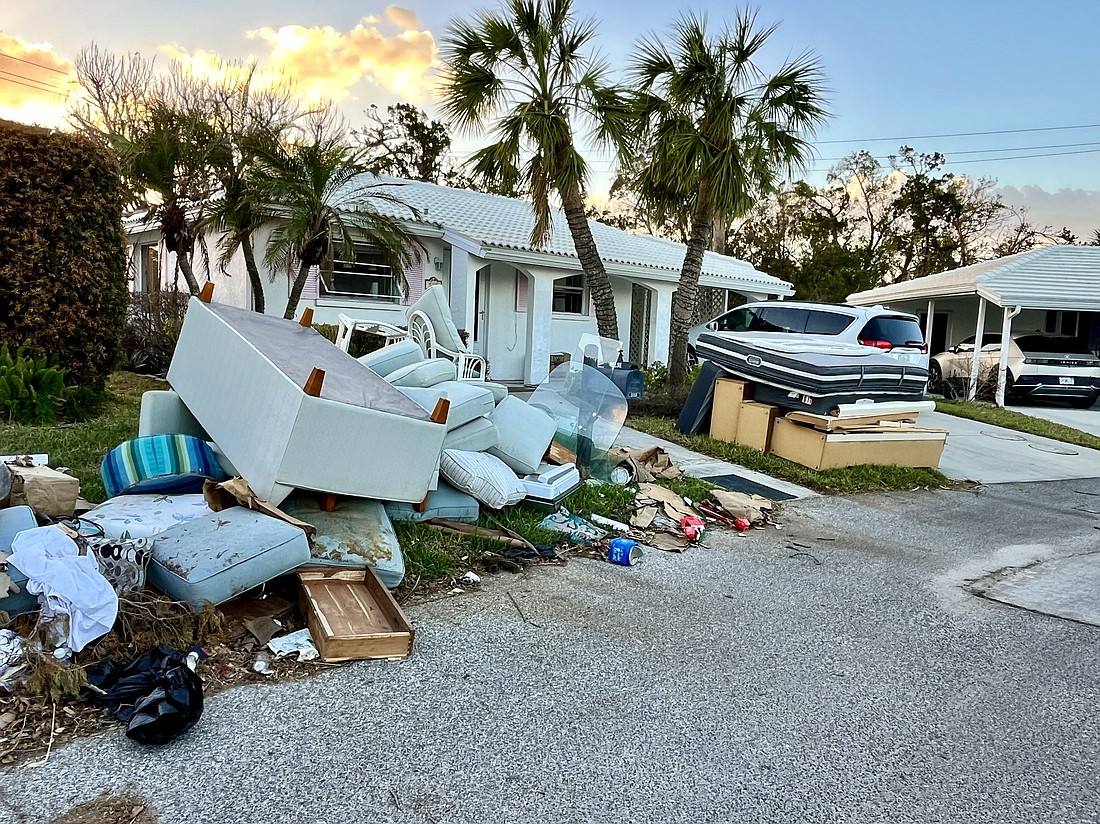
(718, 132)
(323, 199)
(526, 73)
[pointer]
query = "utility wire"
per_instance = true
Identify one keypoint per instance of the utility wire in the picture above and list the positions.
(32, 63)
(57, 92)
(980, 151)
(44, 86)
(958, 134)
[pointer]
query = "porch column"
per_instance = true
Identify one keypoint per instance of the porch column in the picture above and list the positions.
(928, 323)
(540, 307)
(1002, 365)
(976, 358)
(463, 276)
(661, 321)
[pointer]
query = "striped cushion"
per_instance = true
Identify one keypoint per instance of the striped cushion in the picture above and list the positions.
(159, 463)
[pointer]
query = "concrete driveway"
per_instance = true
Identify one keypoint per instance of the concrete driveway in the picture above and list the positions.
(993, 455)
(855, 680)
(1086, 420)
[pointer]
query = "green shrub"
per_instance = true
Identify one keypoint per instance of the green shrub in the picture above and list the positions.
(361, 343)
(62, 251)
(32, 389)
(656, 376)
(153, 325)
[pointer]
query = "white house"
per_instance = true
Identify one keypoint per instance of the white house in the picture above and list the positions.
(519, 304)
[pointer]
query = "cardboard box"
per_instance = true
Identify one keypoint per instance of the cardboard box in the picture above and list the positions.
(45, 490)
(726, 409)
(754, 425)
(352, 616)
(828, 450)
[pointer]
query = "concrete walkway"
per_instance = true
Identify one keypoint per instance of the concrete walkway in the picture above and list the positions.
(1085, 420)
(989, 454)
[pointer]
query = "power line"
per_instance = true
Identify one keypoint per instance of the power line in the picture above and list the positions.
(59, 93)
(1025, 157)
(32, 63)
(978, 151)
(45, 87)
(958, 134)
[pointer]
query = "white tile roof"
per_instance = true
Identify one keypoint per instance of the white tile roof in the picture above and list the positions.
(495, 222)
(1053, 277)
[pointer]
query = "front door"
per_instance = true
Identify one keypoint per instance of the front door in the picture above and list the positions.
(479, 338)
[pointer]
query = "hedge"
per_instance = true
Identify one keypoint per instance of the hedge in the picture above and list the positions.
(63, 289)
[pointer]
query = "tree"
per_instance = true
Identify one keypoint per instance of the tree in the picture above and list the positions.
(243, 118)
(525, 73)
(717, 132)
(405, 144)
(314, 187)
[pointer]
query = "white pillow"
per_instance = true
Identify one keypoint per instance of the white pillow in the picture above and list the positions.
(482, 475)
(425, 373)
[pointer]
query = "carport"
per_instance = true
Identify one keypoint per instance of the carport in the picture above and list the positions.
(1053, 290)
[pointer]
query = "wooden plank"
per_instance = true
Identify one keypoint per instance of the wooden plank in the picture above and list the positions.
(827, 423)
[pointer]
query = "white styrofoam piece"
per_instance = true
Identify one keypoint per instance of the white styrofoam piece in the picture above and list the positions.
(860, 410)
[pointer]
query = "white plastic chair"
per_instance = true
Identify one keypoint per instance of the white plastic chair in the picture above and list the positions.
(470, 367)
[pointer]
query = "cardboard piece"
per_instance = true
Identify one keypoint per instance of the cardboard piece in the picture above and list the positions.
(352, 616)
(729, 394)
(828, 450)
(740, 505)
(237, 492)
(754, 425)
(645, 465)
(665, 500)
(45, 490)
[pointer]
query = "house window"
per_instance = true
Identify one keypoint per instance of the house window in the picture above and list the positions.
(569, 296)
(366, 274)
(149, 262)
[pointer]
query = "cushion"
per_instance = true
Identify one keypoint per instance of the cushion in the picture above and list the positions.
(482, 475)
(13, 520)
(499, 390)
(393, 357)
(443, 502)
(475, 436)
(433, 303)
(524, 431)
(468, 399)
(159, 463)
(143, 516)
(425, 373)
(164, 413)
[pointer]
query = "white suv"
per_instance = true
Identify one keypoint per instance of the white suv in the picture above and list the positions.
(895, 334)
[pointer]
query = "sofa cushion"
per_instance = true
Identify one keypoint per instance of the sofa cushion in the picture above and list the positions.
(424, 373)
(482, 475)
(390, 358)
(475, 436)
(159, 463)
(164, 413)
(443, 502)
(468, 400)
(433, 303)
(524, 432)
(499, 390)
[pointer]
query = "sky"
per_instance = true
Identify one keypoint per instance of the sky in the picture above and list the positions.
(929, 75)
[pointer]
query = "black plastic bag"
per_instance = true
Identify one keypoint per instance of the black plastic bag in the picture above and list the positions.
(156, 695)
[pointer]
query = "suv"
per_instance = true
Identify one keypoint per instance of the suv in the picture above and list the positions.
(895, 334)
(1039, 366)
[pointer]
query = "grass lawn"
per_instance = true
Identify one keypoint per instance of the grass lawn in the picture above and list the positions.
(832, 481)
(81, 446)
(996, 416)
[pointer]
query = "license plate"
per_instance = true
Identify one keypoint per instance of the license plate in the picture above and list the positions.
(1065, 381)
(903, 358)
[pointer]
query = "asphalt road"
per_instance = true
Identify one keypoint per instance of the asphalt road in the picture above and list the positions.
(733, 684)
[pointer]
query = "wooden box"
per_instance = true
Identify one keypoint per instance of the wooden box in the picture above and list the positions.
(818, 449)
(352, 616)
(754, 425)
(726, 408)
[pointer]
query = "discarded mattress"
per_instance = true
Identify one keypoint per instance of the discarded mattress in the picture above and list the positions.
(810, 376)
(14, 520)
(443, 502)
(143, 516)
(159, 463)
(358, 534)
(215, 558)
(250, 398)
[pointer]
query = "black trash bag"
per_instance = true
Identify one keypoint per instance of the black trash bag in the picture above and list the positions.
(156, 695)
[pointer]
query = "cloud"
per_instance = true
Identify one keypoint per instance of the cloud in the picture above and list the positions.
(33, 93)
(328, 63)
(1076, 209)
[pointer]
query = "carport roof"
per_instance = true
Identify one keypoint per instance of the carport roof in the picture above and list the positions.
(1054, 277)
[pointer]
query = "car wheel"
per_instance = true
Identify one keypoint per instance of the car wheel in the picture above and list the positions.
(936, 383)
(1082, 403)
(692, 358)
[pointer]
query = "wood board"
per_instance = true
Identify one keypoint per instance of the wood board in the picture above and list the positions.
(829, 423)
(352, 616)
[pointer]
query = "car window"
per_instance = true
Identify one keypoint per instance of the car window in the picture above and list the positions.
(745, 319)
(827, 323)
(899, 331)
(784, 319)
(1051, 345)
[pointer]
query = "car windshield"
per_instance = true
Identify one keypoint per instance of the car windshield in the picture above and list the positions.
(1052, 345)
(898, 330)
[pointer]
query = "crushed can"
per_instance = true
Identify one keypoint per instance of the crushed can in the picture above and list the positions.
(624, 551)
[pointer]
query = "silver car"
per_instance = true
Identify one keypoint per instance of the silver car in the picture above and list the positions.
(894, 334)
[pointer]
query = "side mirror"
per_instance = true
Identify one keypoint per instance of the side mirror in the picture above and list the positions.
(713, 326)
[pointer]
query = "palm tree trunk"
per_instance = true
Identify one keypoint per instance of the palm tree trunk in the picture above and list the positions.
(184, 262)
(253, 274)
(595, 276)
(296, 290)
(687, 293)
